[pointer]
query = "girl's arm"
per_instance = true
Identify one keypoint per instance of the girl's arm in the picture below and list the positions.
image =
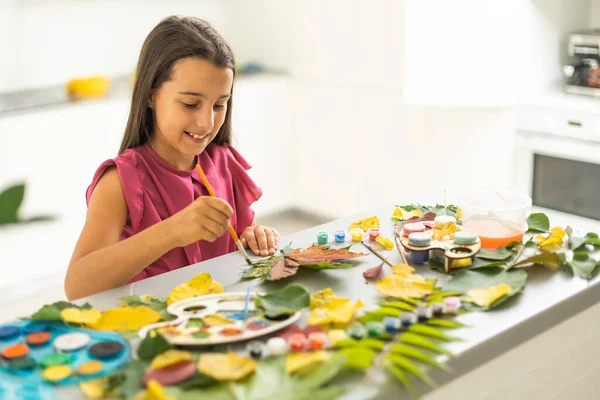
(100, 261)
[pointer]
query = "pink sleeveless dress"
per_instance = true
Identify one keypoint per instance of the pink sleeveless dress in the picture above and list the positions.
(154, 191)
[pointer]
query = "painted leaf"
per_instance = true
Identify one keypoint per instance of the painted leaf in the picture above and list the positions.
(285, 301)
(405, 364)
(299, 361)
(401, 376)
(373, 273)
(328, 265)
(420, 341)
(499, 254)
(411, 352)
(586, 266)
(226, 367)
(425, 330)
(397, 286)
(170, 357)
(401, 305)
(365, 224)
(126, 319)
(200, 285)
(79, 316)
(152, 345)
(463, 281)
(322, 298)
(338, 311)
(385, 242)
(538, 222)
(402, 270)
(261, 268)
(358, 357)
(281, 269)
(317, 254)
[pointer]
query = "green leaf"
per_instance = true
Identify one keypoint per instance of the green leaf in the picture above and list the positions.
(405, 364)
(324, 373)
(198, 380)
(283, 302)
(437, 264)
(439, 209)
(431, 332)
(500, 254)
(586, 266)
(401, 376)
(420, 341)
(10, 202)
(408, 351)
(127, 381)
(358, 357)
(51, 312)
(465, 280)
(578, 243)
(481, 263)
(445, 323)
(261, 268)
(220, 391)
(538, 222)
(438, 297)
(545, 258)
(407, 300)
(152, 345)
(401, 305)
(369, 343)
(370, 316)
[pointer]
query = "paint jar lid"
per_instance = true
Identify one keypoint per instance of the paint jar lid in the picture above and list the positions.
(465, 237)
(420, 239)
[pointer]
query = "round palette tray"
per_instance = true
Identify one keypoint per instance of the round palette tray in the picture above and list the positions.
(216, 319)
(452, 250)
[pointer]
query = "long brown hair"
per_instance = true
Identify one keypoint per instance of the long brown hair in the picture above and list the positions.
(172, 39)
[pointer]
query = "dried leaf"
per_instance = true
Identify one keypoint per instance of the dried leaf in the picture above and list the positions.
(200, 285)
(322, 298)
(538, 222)
(79, 316)
(374, 272)
(170, 357)
(420, 341)
(338, 311)
(298, 361)
(281, 269)
(95, 388)
(365, 224)
(405, 364)
(284, 302)
(261, 268)
(156, 303)
(546, 259)
(397, 286)
(554, 241)
(408, 351)
(431, 332)
(155, 391)
(401, 214)
(126, 319)
(226, 367)
(385, 242)
(317, 254)
(402, 270)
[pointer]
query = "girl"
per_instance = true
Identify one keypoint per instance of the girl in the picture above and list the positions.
(148, 211)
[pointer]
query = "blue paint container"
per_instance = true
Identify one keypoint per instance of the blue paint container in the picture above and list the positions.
(419, 239)
(340, 236)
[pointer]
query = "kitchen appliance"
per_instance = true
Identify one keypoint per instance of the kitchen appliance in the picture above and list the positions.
(583, 73)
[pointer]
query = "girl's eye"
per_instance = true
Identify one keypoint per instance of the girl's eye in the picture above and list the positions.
(190, 106)
(219, 106)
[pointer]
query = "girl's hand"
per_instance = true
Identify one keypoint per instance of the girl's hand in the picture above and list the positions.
(207, 218)
(262, 240)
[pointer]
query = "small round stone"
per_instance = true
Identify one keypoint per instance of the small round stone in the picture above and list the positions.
(357, 332)
(391, 325)
(437, 309)
(374, 329)
(255, 349)
(277, 346)
(407, 319)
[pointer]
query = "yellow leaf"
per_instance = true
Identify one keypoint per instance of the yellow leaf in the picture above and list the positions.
(397, 286)
(321, 298)
(400, 214)
(458, 213)
(402, 270)
(170, 357)
(216, 320)
(554, 241)
(94, 389)
(226, 367)
(365, 224)
(386, 243)
(155, 391)
(337, 311)
(448, 229)
(299, 361)
(461, 263)
(200, 285)
(126, 319)
(78, 316)
(486, 296)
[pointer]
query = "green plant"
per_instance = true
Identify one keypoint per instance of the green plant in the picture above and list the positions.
(10, 203)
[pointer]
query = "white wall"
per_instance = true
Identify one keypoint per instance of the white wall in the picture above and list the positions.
(44, 43)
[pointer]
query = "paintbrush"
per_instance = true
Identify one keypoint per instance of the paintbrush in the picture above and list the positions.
(234, 235)
(246, 306)
(372, 250)
(399, 245)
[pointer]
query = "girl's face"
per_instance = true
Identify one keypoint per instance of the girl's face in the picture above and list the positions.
(189, 110)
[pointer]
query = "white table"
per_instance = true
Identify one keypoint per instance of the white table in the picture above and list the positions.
(548, 299)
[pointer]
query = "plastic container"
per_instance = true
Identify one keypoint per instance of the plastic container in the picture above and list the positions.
(497, 217)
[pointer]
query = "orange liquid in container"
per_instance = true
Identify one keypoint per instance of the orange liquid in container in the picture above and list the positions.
(492, 233)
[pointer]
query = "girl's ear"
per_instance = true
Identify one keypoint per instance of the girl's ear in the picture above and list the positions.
(151, 99)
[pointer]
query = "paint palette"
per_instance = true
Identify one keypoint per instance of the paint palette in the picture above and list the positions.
(216, 319)
(14, 387)
(51, 352)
